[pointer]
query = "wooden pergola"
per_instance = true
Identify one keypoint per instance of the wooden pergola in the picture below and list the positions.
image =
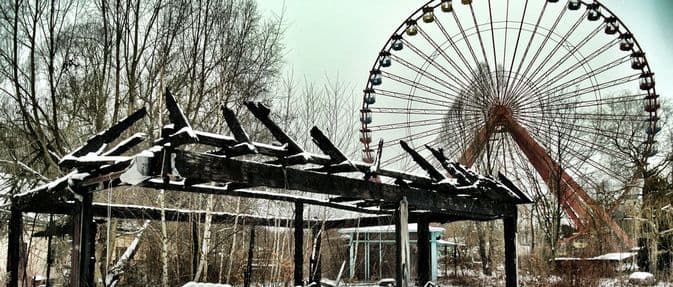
(452, 194)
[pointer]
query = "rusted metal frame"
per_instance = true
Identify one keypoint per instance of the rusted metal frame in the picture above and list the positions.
(572, 195)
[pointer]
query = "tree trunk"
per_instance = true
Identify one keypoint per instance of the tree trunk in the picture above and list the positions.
(202, 269)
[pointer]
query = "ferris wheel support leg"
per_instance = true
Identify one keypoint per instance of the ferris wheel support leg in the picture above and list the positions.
(570, 192)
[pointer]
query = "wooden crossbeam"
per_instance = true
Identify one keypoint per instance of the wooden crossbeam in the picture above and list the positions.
(97, 142)
(262, 113)
(422, 162)
(229, 191)
(214, 168)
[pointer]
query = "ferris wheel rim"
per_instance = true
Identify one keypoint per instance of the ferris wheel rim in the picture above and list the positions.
(433, 4)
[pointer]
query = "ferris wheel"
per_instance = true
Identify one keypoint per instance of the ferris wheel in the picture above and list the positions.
(505, 86)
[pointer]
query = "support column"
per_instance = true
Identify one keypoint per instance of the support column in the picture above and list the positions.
(423, 258)
(511, 279)
(315, 262)
(15, 229)
(82, 268)
(298, 244)
(402, 271)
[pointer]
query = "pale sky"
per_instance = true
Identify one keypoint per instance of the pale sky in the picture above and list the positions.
(329, 38)
(344, 37)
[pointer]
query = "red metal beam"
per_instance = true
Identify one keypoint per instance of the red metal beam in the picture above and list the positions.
(575, 201)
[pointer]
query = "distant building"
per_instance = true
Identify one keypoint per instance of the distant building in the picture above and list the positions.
(372, 251)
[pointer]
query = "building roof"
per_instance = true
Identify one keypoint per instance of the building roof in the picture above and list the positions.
(413, 227)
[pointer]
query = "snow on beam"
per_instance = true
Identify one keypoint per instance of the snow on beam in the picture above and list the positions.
(181, 129)
(214, 168)
(261, 112)
(97, 142)
(258, 194)
(126, 145)
(422, 162)
(336, 155)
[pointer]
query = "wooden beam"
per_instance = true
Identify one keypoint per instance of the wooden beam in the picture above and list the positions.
(511, 278)
(262, 113)
(423, 257)
(298, 244)
(231, 190)
(214, 168)
(336, 155)
(97, 142)
(82, 270)
(15, 229)
(422, 162)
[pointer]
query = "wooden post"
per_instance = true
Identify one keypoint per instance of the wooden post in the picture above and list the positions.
(315, 262)
(15, 229)
(82, 268)
(402, 244)
(511, 279)
(247, 276)
(423, 258)
(298, 244)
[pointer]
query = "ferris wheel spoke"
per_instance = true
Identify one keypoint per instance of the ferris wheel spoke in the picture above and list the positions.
(525, 53)
(568, 55)
(418, 85)
(583, 158)
(564, 58)
(558, 45)
(414, 98)
(427, 74)
(572, 82)
(467, 41)
(516, 47)
(542, 45)
(442, 53)
(586, 60)
(405, 124)
(413, 111)
(481, 41)
(460, 54)
(599, 102)
(495, 56)
(607, 134)
(412, 137)
(563, 97)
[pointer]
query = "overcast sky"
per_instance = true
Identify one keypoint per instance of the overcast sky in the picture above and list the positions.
(344, 37)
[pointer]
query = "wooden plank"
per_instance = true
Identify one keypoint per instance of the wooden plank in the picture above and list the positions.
(298, 244)
(126, 145)
(209, 167)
